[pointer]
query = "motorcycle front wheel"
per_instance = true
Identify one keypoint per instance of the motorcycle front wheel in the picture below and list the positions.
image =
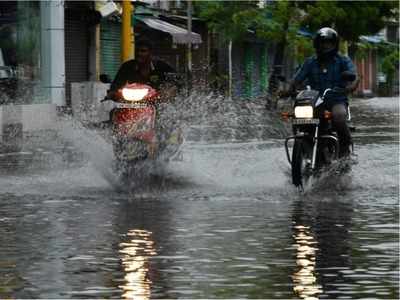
(300, 162)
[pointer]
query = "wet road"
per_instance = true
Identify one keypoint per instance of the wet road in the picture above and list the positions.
(225, 224)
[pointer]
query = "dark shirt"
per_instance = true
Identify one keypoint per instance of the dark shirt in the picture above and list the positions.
(129, 73)
(329, 76)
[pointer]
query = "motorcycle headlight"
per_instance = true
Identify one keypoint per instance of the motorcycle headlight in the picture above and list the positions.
(134, 94)
(304, 112)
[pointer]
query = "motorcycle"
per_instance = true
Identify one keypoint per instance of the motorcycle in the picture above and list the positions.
(316, 144)
(143, 137)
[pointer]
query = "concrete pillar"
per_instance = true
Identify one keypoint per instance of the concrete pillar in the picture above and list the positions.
(53, 51)
(94, 53)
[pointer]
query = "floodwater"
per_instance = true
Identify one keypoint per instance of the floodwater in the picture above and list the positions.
(222, 223)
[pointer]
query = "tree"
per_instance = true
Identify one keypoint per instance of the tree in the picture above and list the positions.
(231, 19)
(349, 18)
(280, 21)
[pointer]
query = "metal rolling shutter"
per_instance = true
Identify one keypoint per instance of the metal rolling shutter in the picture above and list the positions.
(110, 48)
(76, 54)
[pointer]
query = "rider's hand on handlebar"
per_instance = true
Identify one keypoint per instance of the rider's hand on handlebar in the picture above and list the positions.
(109, 96)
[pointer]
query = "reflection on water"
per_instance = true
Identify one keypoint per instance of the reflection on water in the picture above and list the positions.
(304, 279)
(135, 261)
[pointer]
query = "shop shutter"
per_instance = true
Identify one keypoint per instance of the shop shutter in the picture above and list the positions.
(248, 70)
(76, 54)
(110, 48)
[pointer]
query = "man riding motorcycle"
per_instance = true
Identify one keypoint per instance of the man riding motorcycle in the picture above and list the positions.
(144, 69)
(323, 71)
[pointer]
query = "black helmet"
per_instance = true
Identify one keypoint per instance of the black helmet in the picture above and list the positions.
(326, 34)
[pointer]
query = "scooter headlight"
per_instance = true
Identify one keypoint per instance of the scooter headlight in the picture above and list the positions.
(134, 94)
(304, 112)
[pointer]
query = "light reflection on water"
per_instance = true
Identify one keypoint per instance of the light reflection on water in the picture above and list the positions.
(305, 279)
(135, 261)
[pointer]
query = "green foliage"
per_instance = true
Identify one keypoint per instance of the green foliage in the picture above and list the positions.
(234, 19)
(363, 49)
(282, 24)
(350, 18)
(281, 20)
(389, 57)
(390, 63)
(304, 47)
(28, 45)
(231, 19)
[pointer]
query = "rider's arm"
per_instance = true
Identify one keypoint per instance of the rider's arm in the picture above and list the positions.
(301, 75)
(349, 66)
(121, 78)
(166, 68)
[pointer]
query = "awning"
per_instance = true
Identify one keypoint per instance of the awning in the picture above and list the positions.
(179, 35)
(374, 39)
(305, 33)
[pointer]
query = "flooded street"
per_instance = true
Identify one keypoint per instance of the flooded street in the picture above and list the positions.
(224, 222)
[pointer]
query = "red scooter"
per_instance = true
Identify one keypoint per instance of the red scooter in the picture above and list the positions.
(143, 138)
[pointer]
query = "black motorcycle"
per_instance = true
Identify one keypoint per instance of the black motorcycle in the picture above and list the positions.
(316, 143)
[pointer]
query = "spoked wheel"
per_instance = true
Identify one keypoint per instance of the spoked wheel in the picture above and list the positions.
(300, 163)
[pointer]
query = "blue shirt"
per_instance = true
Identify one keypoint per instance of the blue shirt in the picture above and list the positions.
(321, 79)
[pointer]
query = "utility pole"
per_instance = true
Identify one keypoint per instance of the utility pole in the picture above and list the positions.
(53, 41)
(127, 31)
(189, 46)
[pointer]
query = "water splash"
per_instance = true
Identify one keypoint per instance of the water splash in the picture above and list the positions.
(93, 144)
(220, 134)
(213, 118)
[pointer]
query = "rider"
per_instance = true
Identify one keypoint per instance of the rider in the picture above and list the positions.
(324, 71)
(144, 69)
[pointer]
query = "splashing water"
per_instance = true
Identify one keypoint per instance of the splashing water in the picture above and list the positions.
(92, 144)
(220, 133)
(213, 126)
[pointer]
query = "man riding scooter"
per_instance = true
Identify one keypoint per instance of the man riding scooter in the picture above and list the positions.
(324, 71)
(146, 70)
